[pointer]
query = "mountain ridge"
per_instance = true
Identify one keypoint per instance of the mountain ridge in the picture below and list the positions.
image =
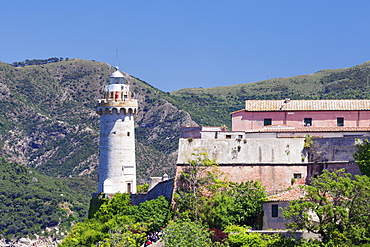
(44, 107)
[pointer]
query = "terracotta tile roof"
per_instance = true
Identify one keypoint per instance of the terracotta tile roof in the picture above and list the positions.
(306, 105)
(293, 194)
(238, 111)
(310, 129)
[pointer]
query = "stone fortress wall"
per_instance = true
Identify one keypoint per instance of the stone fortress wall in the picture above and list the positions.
(279, 163)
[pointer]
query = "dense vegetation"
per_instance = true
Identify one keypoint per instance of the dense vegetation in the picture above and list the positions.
(203, 201)
(38, 61)
(336, 207)
(362, 156)
(32, 202)
(118, 223)
(214, 212)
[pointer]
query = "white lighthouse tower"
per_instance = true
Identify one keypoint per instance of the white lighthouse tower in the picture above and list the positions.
(117, 165)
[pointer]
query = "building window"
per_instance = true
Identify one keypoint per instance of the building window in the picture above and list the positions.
(240, 136)
(340, 121)
(128, 133)
(267, 121)
(274, 210)
(297, 175)
(307, 122)
(228, 136)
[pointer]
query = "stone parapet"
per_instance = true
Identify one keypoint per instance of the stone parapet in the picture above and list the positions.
(245, 151)
(118, 103)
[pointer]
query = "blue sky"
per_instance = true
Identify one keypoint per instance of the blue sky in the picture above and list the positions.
(174, 44)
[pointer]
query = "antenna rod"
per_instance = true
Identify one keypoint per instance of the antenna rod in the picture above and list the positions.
(117, 60)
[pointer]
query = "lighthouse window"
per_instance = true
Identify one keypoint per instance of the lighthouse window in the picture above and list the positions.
(128, 187)
(128, 133)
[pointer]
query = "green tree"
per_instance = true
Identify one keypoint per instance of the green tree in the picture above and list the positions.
(156, 213)
(87, 233)
(362, 156)
(118, 223)
(112, 208)
(186, 233)
(127, 235)
(202, 195)
(240, 237)
(193, 182)
(335, 206)
(234, 204)
(142, 188)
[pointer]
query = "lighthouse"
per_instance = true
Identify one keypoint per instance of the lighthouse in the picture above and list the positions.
(117, 164)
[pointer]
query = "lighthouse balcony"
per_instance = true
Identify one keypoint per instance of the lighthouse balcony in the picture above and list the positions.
(117, 103)
(116, 110)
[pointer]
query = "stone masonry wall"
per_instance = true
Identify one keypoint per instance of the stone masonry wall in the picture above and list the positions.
(275, 177)
(278, 222)
(314, 170)
(333, 149)
(164, 188)
(245, 151)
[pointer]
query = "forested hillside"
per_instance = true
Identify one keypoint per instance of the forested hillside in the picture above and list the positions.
(32, 202)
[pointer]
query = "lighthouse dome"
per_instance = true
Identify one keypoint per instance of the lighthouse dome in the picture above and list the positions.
(116, 78)
(116, 73)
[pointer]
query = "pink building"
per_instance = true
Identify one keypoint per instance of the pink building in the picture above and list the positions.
(302, 114)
